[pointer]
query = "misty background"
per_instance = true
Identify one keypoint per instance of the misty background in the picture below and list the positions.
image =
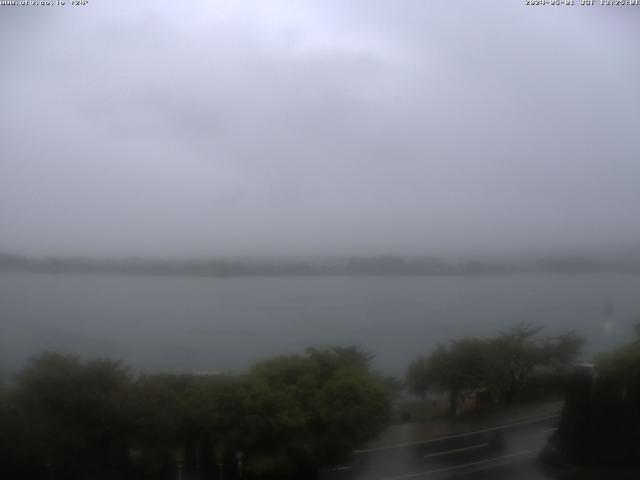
(172, 129)
(314, 130)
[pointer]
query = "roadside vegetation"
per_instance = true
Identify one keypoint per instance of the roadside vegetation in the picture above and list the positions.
(519, 364)
(288, 417)
(600, 424)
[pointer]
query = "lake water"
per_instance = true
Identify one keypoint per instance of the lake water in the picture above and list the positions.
(224, 324)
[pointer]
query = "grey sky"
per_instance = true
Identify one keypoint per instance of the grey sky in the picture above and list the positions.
(328, 127)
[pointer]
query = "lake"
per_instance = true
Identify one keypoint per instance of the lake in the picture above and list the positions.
(182, 324)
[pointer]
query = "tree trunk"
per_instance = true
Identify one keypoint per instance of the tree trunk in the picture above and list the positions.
(453, 402)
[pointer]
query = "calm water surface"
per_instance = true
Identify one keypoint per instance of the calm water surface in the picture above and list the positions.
(225, 324)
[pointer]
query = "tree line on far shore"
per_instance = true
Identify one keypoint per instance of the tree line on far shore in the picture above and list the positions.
(361, 265)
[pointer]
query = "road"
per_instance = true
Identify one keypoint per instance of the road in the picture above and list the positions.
(505, 452)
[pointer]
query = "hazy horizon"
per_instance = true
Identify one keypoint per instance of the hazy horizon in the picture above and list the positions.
(630, 253)
(231, 129)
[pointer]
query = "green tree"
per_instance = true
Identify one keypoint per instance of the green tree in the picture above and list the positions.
(503, 364)
(156, 412)
(334, 402)
(417, 378)
(460, 367)
(71, 416)
(515, 355)
(600, 421)
(289, 416)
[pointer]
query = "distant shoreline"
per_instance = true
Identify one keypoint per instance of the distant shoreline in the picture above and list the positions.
(347, 266)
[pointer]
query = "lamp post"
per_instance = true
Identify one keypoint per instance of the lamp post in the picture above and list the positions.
(218, 455)
(239, 459)
(135, 454)
(49, 466)
(197, 452)
(179, 456)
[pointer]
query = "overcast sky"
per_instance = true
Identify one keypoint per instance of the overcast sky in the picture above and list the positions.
(215, 128)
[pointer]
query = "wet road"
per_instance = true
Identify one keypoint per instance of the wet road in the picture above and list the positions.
(505, 452)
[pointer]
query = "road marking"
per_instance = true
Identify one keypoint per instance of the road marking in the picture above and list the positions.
(340, 469)
(457, 435)
(549, 430)
(464, 465)
(480, 445)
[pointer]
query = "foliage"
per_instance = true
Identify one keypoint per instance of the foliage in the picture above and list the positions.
(286, 418)
(459, 367)
(335, 404)
(503, 364)
(622, 366)
(600, 422)
(71, 414)
(516, 354)
(417, 378)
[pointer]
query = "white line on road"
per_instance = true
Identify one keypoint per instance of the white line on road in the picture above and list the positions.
(473, 447)
(465, 465)
(457, 435)
(549, 430)
(340, 469)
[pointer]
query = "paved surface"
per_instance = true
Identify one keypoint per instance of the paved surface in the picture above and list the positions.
(502, 452)
(414, 432)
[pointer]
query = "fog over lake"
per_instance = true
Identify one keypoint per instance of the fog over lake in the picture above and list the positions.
(312, 129)
(199, 188)
(224, 324)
